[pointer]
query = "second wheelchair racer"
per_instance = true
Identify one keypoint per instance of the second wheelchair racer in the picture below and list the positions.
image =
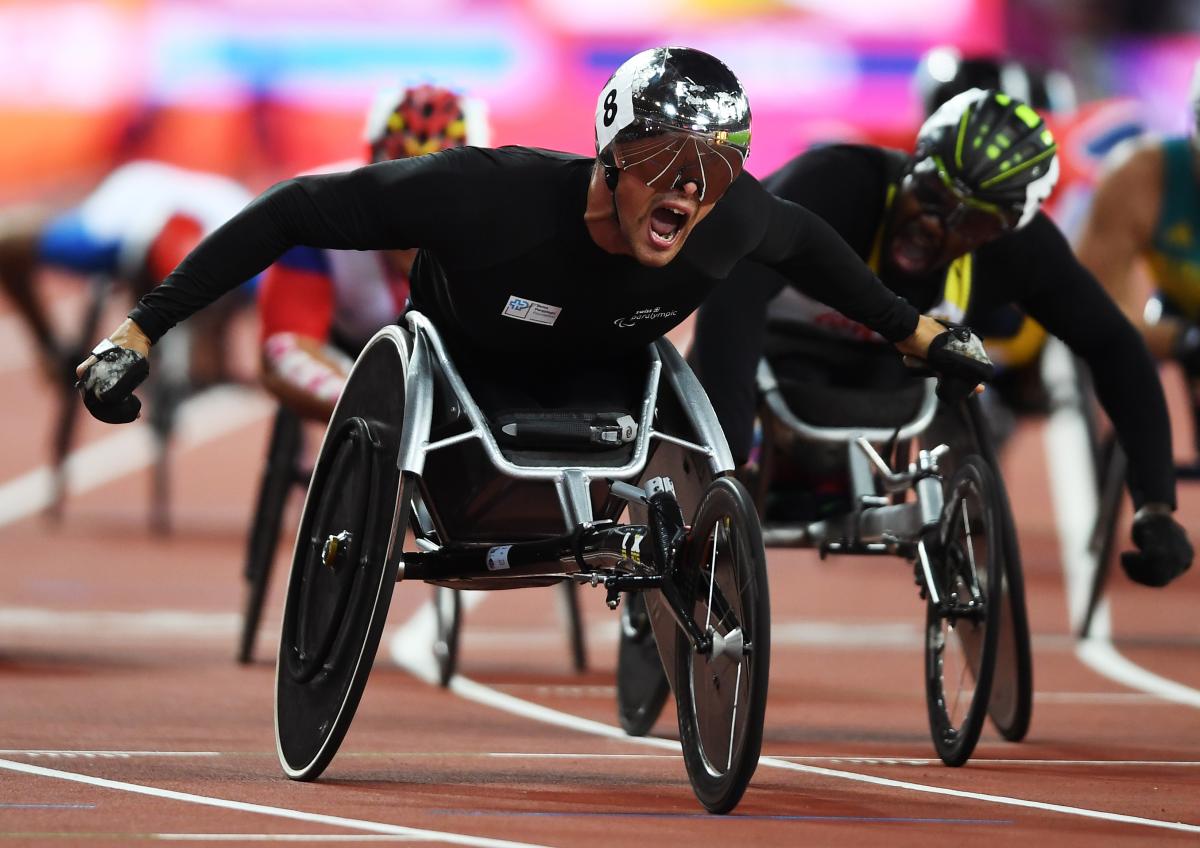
(956, 229)
(319, 305)
(534, 262)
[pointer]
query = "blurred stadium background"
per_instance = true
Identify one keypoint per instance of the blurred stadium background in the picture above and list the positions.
(259, 89)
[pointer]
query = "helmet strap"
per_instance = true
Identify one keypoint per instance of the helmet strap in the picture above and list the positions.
(611, 174)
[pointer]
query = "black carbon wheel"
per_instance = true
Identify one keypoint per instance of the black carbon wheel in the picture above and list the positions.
(343, 571)
(447, 611)
(721, 695)
(642, 685)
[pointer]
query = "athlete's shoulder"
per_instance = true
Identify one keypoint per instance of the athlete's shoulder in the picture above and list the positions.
(834, 169)
(333, 167)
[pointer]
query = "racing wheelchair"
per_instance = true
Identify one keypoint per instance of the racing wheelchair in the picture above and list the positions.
(916, 478)
(416, 482)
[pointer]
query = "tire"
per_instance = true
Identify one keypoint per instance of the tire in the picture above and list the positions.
(344, 568)
(961, 636)
(721, 700)
(1011, 704)
(642, 685)
(278, 478)
(447, 611)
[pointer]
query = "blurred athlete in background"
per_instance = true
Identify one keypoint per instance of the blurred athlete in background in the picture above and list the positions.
(1142, 237)
(134, 227)
(319, 307)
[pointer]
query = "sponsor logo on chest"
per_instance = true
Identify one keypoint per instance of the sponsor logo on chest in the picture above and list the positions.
(523, 309)
(653, 313)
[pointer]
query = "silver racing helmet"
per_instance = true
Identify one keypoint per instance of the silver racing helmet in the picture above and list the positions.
(672, 115)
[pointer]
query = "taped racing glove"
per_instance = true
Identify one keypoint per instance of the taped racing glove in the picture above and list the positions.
(107, 385)
(1163, 550)
(960, 362)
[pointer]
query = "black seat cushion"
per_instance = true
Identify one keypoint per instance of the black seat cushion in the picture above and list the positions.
(833, 383)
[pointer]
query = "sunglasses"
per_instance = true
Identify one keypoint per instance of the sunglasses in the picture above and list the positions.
(670, 159)
(970, 218)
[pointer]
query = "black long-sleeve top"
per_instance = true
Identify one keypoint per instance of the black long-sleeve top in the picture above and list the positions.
(506, 262)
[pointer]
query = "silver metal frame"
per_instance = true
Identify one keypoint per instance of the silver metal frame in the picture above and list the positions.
(572, 483)
(874, 525)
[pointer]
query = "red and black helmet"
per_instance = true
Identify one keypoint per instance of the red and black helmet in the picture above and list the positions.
(422, 119)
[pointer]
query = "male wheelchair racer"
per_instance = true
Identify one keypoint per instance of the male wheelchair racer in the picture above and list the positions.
(527, 498)
(830, 412)
(939, 502)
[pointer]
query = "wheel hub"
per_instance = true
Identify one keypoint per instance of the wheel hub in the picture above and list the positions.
(334, 550)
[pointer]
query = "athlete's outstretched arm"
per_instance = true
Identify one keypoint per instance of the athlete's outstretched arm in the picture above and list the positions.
(1066, 299)
(393, 204)
(807, 251)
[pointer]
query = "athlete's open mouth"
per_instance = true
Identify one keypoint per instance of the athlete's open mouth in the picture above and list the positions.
(914, 248)
(666, 223)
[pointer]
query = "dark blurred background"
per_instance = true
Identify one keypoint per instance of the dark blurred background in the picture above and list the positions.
(259, 89)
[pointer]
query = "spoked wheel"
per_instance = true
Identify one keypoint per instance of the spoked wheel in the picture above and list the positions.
(642, 686)
(343, 568)
(722, 692)
(447, 612)
(961, 624)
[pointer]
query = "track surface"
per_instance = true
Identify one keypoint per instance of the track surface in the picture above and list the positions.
(124, 717)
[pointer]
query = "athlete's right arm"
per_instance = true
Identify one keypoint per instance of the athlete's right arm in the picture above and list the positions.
(1118, 229)
(395, 204)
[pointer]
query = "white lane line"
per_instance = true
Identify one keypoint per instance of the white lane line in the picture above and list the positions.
(481, 694)
(102, 625)
(1100, 655)
(209, 415)
(1073, 489)
(262, 809)
(281, 837)
(412, 643)
(418, 660)
(106, 755)
(591, 755)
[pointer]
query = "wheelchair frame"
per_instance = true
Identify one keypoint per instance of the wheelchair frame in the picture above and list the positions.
(731, 631)
(874, 525)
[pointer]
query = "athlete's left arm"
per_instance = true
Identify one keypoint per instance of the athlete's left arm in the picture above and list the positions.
(812, 256)
(1070, 303)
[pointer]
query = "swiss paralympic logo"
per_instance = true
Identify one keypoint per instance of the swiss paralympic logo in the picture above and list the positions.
(517, 303)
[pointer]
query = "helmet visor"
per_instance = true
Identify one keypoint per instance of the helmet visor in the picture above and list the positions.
(667, 159)
(972, 219)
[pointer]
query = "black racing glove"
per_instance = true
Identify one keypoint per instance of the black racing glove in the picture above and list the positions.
(961, 363)
(1164, 551)
(107, 385)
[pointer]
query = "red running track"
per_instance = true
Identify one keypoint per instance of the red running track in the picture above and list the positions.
(125, 719)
